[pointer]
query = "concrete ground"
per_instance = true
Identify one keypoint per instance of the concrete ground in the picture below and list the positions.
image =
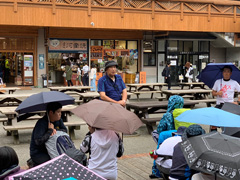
(136, 146)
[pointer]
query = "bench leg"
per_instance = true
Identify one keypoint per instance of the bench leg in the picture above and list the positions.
(150, 127)
(71, 131)
(138, 97)
(15, 137)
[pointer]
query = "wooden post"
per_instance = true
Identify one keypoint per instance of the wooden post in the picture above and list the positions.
(209, 12)
(15, 6)
(181, 11)
(54, 6)
(153, 9)
(122, 8)
(235, 14)
(89, 7)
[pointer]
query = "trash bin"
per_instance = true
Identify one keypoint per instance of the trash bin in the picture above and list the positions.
(44, 78)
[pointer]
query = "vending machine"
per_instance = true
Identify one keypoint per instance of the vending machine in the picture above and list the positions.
(28, 70)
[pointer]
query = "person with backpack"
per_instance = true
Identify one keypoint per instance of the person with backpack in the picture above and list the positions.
(103, 147)
(45, 127)
(166, 75)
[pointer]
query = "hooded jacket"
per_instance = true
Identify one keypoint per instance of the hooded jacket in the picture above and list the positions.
(167, 121)
(104, 148)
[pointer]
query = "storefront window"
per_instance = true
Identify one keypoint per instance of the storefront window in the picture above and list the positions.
(149, 57)
(132, 44)
(161, 45)
(188, 46)
(108, 44)
(172, 46)
(120, 44)
(204, 46)
(96, 42)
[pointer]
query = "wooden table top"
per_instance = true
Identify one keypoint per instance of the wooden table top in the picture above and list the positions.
(3, 96)
(192, 83)
(69, 87)
(11, 109)
(147, 84)
(151, 104)
(89, 94)
(9, 88)
(187, 91)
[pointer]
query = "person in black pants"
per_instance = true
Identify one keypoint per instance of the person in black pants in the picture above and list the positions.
(167, 77)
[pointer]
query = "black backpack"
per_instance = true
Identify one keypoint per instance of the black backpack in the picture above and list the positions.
(164, 72)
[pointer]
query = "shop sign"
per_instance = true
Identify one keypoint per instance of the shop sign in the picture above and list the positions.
(203, 57)
(142, 79)
(67, 45)
(96, 52)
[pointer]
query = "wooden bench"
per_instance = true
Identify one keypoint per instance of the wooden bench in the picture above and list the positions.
(78, 101)
(150, 122)
(188, 97)
(208, 102)
(13, 129)
(161, 98)
(146, 92)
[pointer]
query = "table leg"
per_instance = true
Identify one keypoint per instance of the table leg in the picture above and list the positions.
(149, 125)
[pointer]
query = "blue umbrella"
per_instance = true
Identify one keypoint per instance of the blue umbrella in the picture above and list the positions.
(210, 116)
(213, 72)
(38, 102)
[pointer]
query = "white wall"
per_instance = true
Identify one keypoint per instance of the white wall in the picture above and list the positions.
(41, 50)
(233, 54)
(217, 54)
(151, 74)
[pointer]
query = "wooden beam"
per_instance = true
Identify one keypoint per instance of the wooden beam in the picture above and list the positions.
(144, 4)
(227, 9)
(174, 6)
(161, 5)
(89, 8)
(201, 7)
(181, 11)
(122, 8)
(190, 7)
(15, 6)
(209, 12)
(113, 2)
(153, 9)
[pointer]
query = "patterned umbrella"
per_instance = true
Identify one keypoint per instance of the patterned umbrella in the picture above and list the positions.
(59, 168)
(213, 153)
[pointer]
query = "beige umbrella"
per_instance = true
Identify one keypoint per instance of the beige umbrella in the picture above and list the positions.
(106, 115)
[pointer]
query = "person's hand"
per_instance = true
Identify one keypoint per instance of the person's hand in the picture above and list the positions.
(166, 77)
(219, 93)
(54, 132)
(51, 126)
(91, 129)
(122, 102)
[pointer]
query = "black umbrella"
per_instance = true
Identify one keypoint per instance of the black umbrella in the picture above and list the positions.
(213, 153)
(233, 108)
(61, 167)
(38, 102)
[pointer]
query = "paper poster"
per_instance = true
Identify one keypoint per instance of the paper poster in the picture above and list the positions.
(41, 61)
(28, 60)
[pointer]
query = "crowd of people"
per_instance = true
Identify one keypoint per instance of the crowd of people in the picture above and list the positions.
(103, 145)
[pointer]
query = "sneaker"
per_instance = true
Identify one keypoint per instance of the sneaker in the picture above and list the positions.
(153, 176)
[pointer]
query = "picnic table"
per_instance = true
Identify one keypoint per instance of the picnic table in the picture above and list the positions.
(143, 109)
(192, 85)
(13, 99)
(146, 88)
(10, 112)
(87, 96)
(79, 89)
(9, 89)
(196, 93)
(12, 129)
